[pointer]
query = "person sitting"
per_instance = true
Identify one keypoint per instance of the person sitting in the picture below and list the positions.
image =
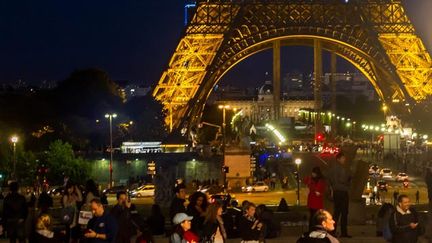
(43, 233)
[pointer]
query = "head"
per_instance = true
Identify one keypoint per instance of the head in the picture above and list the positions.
(43, 222)
(213, 210)
(121, 197)
(13, 187)
(91, 187)
(183, 221)
(70, 188)
(97, 207)
(340, 157)
(198, 199)
(324, 219)
(316, 173)
(180, 192)
(404, 202)
(250, 210)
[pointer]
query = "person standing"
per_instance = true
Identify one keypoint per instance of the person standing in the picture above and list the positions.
(340, 182)
(250, 227)
(71, 199)
(213, 227)
(15, 212)
(178, 203)
(417, 195)
(102, 228)
(197, 209)
(323, 225)
(123, 215)
(316, 185)
(404, 222)
(156, 220)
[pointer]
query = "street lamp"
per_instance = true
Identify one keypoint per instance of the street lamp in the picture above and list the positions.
(110, 117)
(298, 162)
(223, 108)
(14, 140)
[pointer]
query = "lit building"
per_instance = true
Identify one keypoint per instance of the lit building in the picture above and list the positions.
(260, 107)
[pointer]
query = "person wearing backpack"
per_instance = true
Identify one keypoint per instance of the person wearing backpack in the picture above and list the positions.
(404, 222)
(320, 232)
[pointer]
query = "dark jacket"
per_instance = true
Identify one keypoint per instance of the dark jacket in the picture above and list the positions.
(14, 209)
(197, 220)
(126, 227)
(104, 224)
(246, 231)
(317, 235)
(340, 177)
(156, 224)
(43, 238)
(399, 226)
(177, 206)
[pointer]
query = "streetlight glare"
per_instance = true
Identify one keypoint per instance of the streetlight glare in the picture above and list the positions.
(14, 139)
(114, 115)
(297, 161)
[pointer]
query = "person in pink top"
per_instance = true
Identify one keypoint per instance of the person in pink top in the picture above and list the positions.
(317, 186)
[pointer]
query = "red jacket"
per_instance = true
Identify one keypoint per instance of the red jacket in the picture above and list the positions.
(316, 192)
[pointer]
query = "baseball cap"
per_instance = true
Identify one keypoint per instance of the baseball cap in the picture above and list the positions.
(180, 217)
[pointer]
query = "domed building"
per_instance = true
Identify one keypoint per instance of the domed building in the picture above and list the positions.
(261, 107)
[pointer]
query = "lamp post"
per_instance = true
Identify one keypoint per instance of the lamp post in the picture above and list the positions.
(14, 140)
(223, 108)
(110, 117)
(298, 162)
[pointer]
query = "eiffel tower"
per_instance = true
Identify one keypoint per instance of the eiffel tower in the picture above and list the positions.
(376, 36)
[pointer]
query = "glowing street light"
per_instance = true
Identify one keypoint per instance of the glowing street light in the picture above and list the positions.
(298, 162)
(110, 117)
(14, 140)
(223, 108)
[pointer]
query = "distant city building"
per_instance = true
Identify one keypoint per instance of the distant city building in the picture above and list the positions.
(351, 85)
(260, 107)
(128, 90)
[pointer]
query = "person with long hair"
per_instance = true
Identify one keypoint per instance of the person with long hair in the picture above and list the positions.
(181, 233)
(43, 233)
(197, 208)
(213, 228)
(72, 197)
(317, 185)
(92, 192)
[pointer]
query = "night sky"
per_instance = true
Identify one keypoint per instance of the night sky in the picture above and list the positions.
(130, 39)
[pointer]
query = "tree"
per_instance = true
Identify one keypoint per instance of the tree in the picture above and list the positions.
(148, 119)
(61, 161)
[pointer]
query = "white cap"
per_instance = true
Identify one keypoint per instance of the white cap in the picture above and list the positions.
(180, 217)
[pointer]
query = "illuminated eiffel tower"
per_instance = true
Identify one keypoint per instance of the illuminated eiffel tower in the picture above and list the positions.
(376, 36)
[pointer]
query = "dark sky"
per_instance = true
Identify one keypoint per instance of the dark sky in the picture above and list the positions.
(130, 39)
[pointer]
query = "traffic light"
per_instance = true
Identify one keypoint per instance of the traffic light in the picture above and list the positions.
(320, 137)
(225, 169)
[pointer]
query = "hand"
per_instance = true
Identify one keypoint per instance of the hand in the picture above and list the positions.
(317, 193)
(259, 226)
(128, 204)
(90, 234)
(413, 225)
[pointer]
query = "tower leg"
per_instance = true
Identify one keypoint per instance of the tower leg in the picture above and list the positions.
(333, 70)
(317, 85)
(276, 78)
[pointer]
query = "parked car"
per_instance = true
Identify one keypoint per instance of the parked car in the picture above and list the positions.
(386, 173)
(225, 199)
(382, 186)
(114, 190)
(143, 191)
(259, 186)
(401, 176)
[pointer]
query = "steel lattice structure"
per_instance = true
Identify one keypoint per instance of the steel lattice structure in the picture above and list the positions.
(376, 36)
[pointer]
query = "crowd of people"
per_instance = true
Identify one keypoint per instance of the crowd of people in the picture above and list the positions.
(196, 218)
(119, 224)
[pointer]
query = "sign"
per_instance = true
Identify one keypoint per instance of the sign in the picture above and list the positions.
(151, 168)
(84, 217)
(252, 163)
